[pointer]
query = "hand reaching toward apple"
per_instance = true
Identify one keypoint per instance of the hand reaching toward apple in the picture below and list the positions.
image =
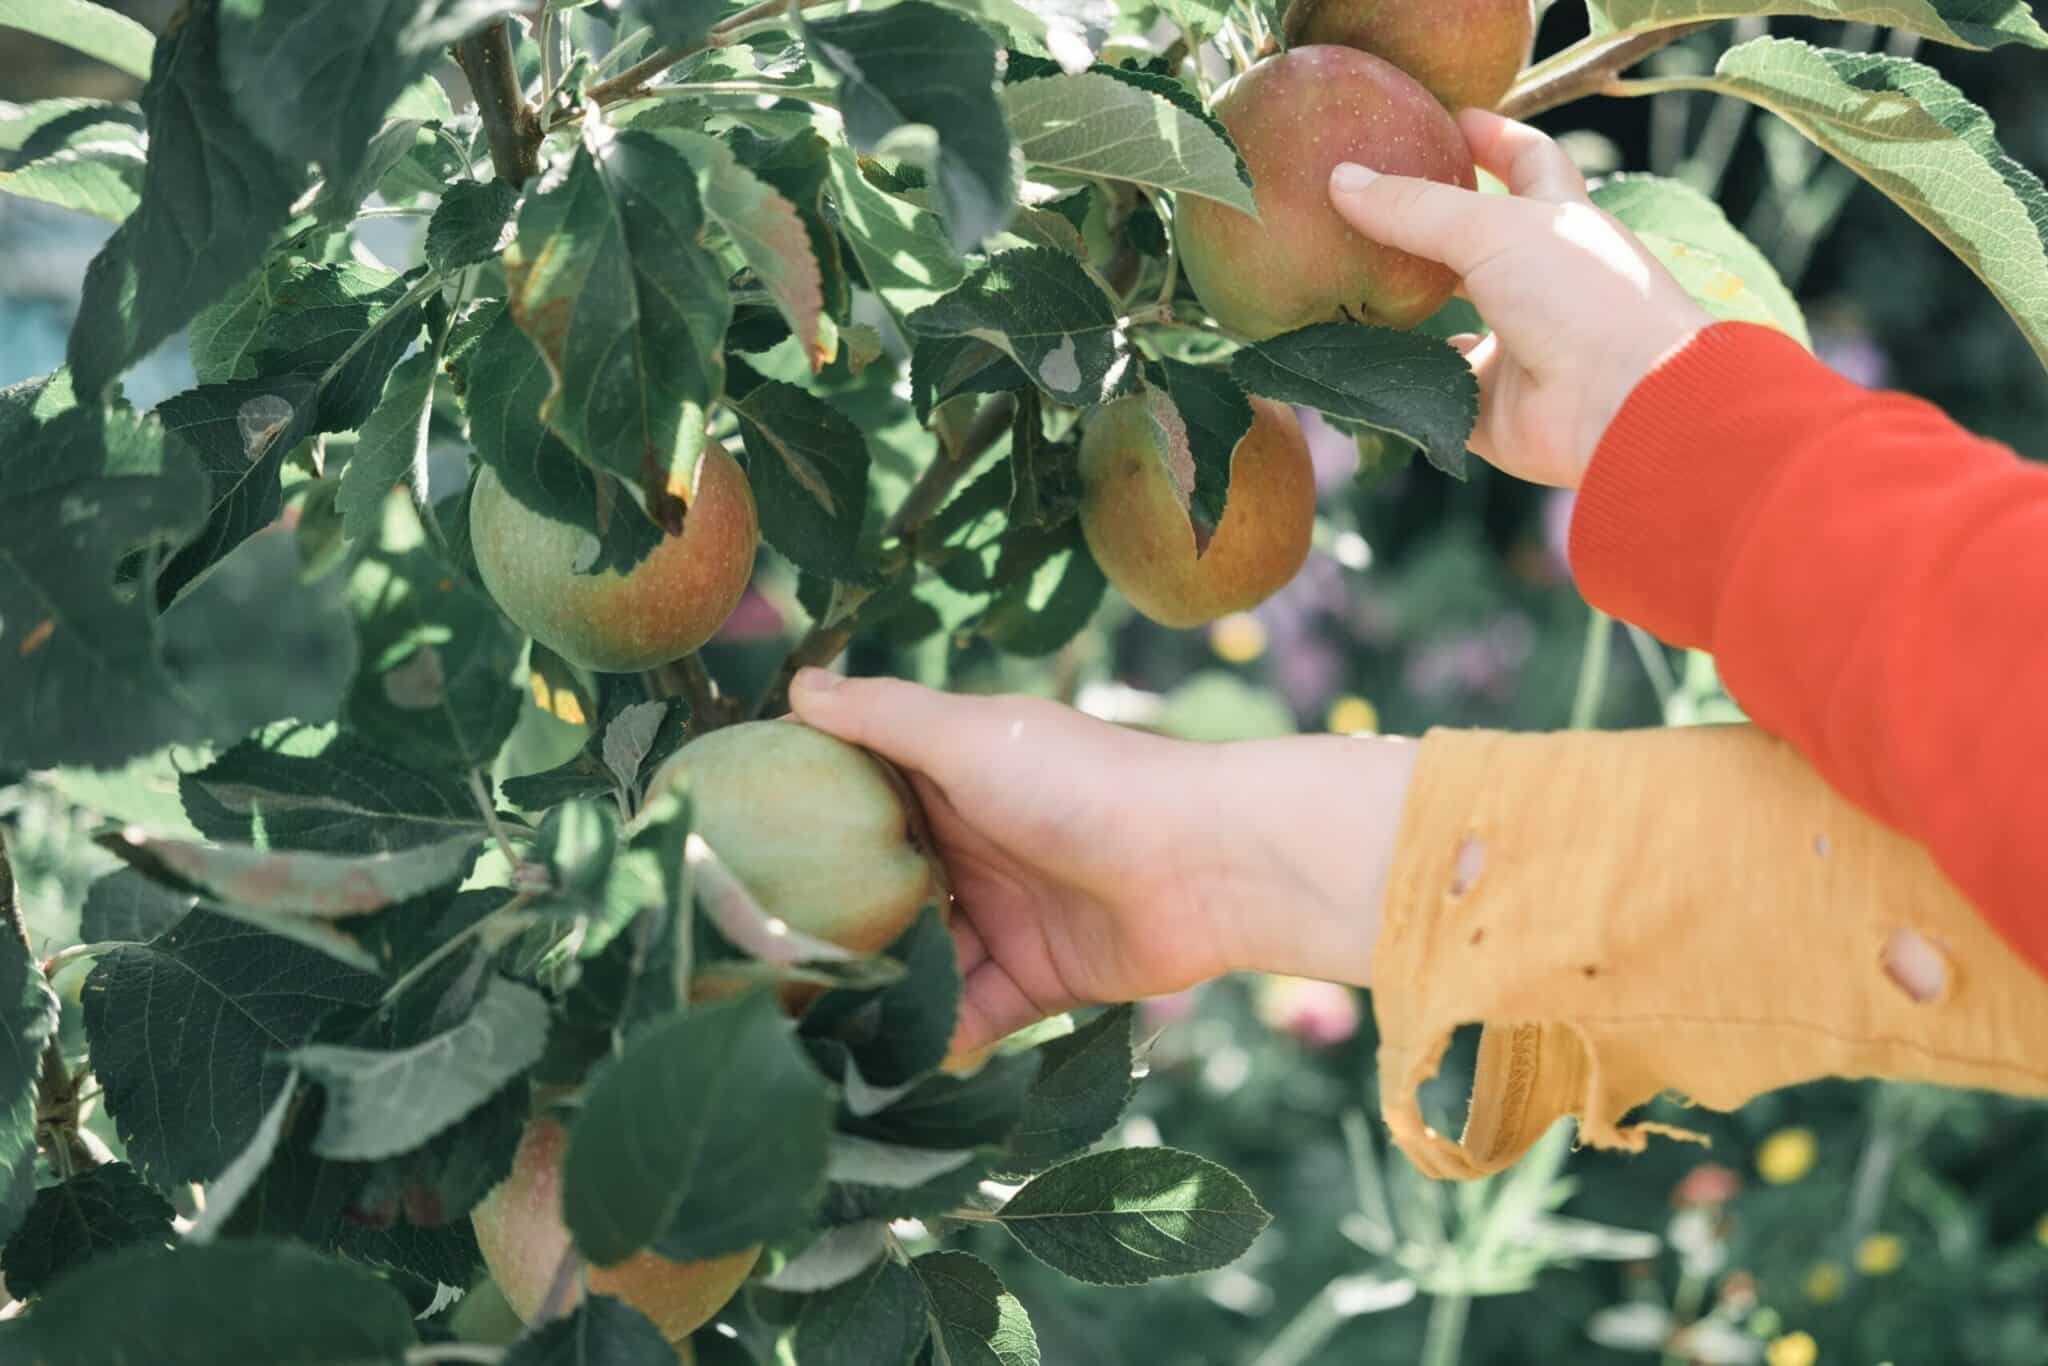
(1580, 309)
(1094, 864)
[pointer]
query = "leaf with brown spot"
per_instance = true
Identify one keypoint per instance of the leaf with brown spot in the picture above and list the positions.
(298, 882)
(770, 235)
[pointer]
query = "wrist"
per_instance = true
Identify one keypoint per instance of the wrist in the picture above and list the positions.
(1309, 826)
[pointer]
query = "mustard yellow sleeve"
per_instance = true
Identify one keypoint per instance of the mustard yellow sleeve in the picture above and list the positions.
(1690, 911)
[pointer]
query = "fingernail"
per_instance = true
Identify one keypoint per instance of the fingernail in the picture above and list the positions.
(1350, 177)
(814, 681)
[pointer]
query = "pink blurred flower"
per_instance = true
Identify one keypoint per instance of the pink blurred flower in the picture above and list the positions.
(1319, 1014)
(755, 618)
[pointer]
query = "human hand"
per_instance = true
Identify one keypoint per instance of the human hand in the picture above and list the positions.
(1091, 863)
(1580, 310)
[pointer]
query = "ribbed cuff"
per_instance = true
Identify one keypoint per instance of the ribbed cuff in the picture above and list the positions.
(1669, 489)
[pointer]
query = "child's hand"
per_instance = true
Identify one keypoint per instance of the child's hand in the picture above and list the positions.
(1093, 863)
(1580, 310)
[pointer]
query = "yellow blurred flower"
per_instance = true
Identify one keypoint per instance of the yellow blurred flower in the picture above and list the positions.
(1880, 1254)
(1786, 1156)
(1824, 1281)
(1353, 716)
(1238, 638)
(1793, 1349)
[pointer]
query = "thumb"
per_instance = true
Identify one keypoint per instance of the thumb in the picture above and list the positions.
(910, 725)
(1461, 228)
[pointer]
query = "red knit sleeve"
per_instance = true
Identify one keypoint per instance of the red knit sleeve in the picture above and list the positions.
(1872, 580)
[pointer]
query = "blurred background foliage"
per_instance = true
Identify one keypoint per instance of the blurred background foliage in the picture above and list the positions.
(1834, 1223)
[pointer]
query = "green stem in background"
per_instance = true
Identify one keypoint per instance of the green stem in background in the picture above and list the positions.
(1304, 1336)
(1587, 67)
(1593, 670)
(509, 121)
(1654, 664)
(1444, 1340)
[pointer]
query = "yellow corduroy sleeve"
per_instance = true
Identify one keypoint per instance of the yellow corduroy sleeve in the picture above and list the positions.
(1690, 911)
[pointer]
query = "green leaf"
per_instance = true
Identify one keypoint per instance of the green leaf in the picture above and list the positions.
(80, 661)
(628, 311)
(770, 234)
(439, 683)
(852, 1202)
(676, 23)
(1966, 23)
(1911, 134)
(34, 130)
(188, 1035)
(601, 1331)
(1041, 308)
(468, 226)
(1095, 126)
(212, 196)
(316, 788)
(94, 1213)
(1050, 587)
(808, 466)
(975, 1321)
(381, 1103)
(390, 449)
(28, 1019)
(902, 249)
(1694, 239)
(301, 882)
(76, 154)
(706, 1135)
(221, 333)
(317, 316)
(255, 1303)
(1199, 18)
(241, 430)
(224, 1194)
(875, 1319)
(126, 905)
(899, 1033)
(951, 1113)
(1084, 1082)
(82, 26)
(914, 64)
(314, 79)
(1133, 1215)
(504, 382)
(1213, 415)
(1415, 387)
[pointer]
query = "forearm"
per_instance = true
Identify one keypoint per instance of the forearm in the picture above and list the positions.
(1691, 911)
(1870, 578)
(1305, 830)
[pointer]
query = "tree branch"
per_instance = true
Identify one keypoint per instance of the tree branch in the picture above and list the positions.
(509, 121)
(824, 641)
(723, 33)
(1585, 68)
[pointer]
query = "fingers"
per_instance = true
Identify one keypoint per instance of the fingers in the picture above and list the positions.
(1461, 228)
(1483, 354)
(913, 726)
(1526, 159)
(992, 1007)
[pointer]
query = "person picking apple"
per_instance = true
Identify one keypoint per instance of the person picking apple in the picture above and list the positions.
(1852, 886)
